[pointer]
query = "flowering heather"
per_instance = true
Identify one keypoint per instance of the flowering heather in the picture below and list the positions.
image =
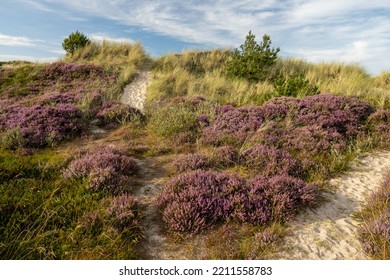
(340, 113)
(123, 212)
(270, 161)
(105, 168)
(67, 72)
(112, 112)
(192, 162)
(380, 122)
(193, 201)
(232, 125)
(374, 232)
(43, 125)
(225, 156)
(275, 198)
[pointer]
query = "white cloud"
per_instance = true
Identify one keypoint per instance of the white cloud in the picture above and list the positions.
(8, 40)
(10, 57)
(355, 30)
(100, 37)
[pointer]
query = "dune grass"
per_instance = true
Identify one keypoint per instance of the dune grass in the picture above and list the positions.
(123, 59)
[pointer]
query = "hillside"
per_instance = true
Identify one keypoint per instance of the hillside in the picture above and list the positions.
(110, 154)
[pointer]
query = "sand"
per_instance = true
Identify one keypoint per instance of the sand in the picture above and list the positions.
(329, 231)
(135, 92)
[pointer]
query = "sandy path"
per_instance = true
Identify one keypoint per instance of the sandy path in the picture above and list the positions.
(329, 232)
(135, 92)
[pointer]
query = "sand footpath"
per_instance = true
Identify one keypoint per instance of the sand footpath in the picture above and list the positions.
(329, 231)
(135, 92)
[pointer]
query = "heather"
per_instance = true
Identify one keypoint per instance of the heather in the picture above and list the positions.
(374, 231)
(40, 125)
(105, 169)
(196, 200)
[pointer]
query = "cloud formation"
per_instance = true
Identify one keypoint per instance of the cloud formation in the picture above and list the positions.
(9, 40)
(354, 31)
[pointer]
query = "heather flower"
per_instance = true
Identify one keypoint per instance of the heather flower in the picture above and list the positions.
(123, 212)
(43, 125)
(192, 162)
(271, 161)
(224, 157)
(193, 201)
(232, 125)
(105, 168)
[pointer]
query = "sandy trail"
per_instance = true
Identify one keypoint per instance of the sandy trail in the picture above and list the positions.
(329, 232)
(135, 92)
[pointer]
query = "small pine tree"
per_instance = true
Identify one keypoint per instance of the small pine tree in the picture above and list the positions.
(253, 61)
(75, 41)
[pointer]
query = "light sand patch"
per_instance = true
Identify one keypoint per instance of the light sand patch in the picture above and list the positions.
(329, 232)
(135, 92)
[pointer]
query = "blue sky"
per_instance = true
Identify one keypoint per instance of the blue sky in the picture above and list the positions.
(315, 30)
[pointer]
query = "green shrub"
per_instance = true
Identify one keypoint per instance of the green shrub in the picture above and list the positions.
(253, 61)
(295, 85)
(75, 41)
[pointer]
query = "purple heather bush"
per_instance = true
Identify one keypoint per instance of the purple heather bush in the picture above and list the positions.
(192, 162)
(224, 157)
(379, 123)
(105, 168)
(232, 125)
(194, 201)
(42, 125)
(374, 232)
(271, 161)
(67, 72)
(123, 213)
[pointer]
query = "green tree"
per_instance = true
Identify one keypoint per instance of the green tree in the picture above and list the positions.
(75, 41)
(252, 61)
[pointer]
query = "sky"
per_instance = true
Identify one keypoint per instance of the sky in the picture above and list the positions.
(350, 31)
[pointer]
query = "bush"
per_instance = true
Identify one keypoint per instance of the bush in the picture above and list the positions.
(194, 201)
(296, 85)
(124, 214)
(232, 125)
(374, 232)
(75, 40)
(42, 125)
(253, 61)
(105, 168)
(224, 157)
(192, 162)
(271, 161)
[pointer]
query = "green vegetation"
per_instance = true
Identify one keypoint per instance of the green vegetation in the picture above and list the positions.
(75, 41)
(253, 61)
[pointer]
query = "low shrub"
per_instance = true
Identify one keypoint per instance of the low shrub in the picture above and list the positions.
(295, 85)
(43, 125)
(270, 161)
(193, 201)
(105, 168)
(124, 213)
(232, 125)
(374, 232)
(192, 162)
(224, 157)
